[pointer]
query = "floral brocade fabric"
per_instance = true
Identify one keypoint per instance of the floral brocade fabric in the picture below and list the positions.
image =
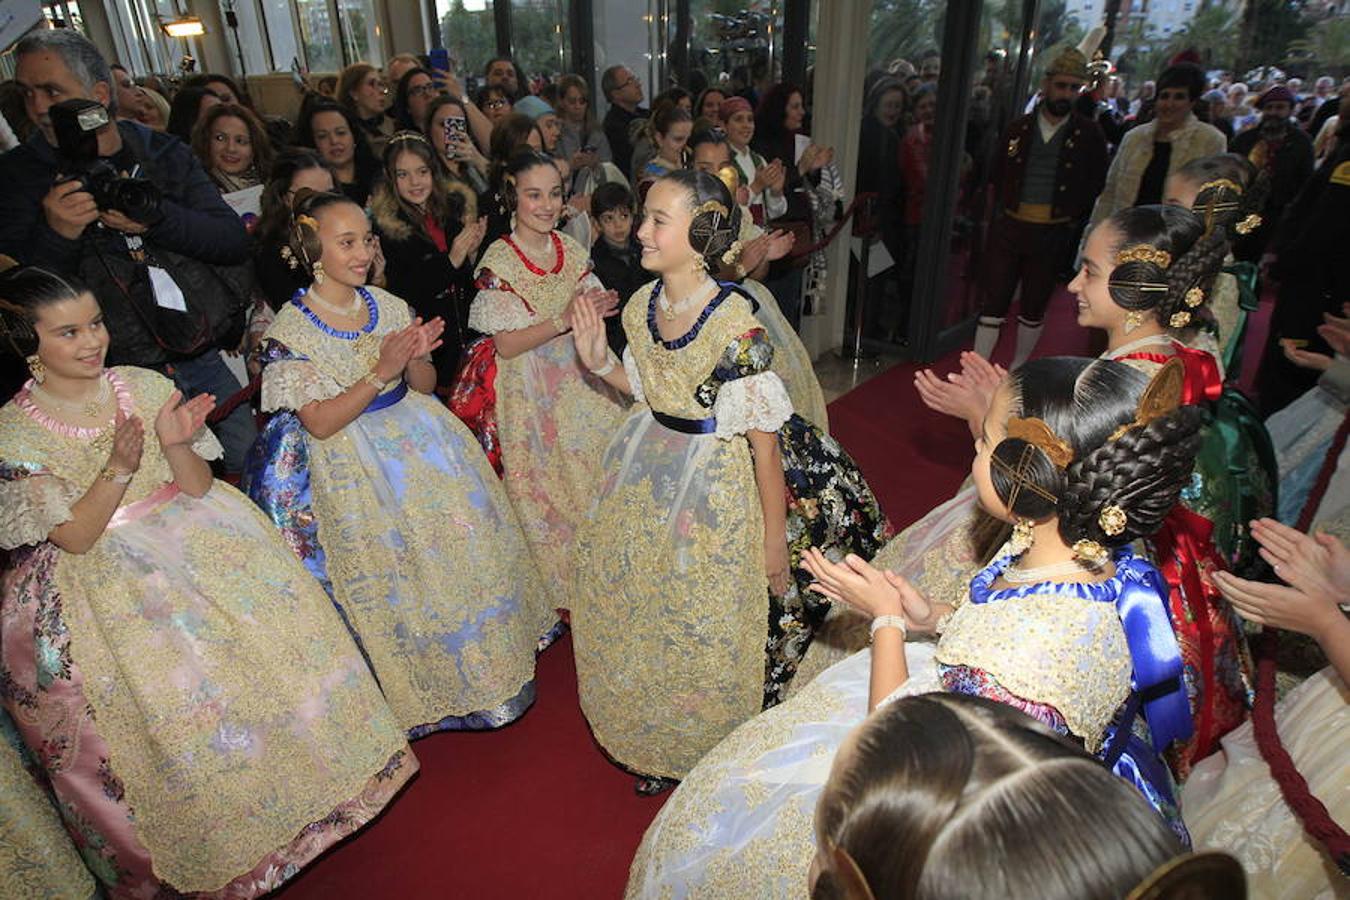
(670, 591)
(419, 544)
(553, 418)
(205, 726)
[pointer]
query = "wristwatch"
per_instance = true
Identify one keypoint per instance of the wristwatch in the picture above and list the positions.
(114, 476)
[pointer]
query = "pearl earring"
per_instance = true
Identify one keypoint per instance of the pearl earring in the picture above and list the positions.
(318, 273)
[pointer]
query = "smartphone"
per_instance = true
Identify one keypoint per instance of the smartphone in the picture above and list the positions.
(456, 128)
(440, 59)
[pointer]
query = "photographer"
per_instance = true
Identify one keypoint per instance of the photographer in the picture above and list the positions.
(132, 214)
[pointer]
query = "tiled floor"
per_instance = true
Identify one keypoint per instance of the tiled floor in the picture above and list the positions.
(838, 375)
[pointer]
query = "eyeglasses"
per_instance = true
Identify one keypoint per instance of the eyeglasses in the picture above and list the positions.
(497, 104)
(422, 90)
(632, 80)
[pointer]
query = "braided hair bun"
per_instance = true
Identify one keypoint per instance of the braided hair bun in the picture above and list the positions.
(1172, 266)
(1085, 402)
(23, 291)
(716, 223)
(1229, 189)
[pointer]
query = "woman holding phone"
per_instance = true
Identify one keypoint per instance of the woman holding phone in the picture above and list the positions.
(447, 129)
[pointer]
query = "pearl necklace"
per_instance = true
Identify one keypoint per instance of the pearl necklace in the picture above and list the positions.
(89, 408)
(1018, 575)
(351, 310)
(671, 311)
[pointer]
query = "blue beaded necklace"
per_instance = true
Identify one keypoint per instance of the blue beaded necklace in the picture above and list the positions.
(372, 308)
(722, 294)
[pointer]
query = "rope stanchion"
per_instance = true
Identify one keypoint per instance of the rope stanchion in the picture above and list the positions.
(1311, 812)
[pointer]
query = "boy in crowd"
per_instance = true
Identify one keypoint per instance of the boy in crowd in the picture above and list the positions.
(617, 256)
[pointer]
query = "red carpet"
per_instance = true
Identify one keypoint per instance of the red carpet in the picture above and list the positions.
(535, 809)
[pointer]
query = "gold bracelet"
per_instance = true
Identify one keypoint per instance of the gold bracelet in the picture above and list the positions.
(112, 475)
(374, 380)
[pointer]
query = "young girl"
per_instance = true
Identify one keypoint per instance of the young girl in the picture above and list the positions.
(670, 128)
(712, 489)
(921, 787)
(429, 232)
(385, 495)
(203, 718)
(552, 417)
(279, 272)
(1084, 456)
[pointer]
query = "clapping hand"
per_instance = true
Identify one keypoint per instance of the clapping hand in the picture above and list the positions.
(128, 442)
(965, 394)
(178, 421)
(605, 302)
(855, 582)
(398, 348)
(428, 336)
(467, 241)
(588, 333)
(1315, 568)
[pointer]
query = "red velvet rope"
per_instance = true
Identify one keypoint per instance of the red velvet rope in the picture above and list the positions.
(1319, 488)
(798, 252)
(223, 410)
(1311, 812)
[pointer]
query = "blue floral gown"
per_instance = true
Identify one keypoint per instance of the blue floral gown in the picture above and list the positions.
(401, 517)
(1075, 656)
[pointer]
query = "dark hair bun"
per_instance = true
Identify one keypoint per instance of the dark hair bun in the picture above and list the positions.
(716, 222)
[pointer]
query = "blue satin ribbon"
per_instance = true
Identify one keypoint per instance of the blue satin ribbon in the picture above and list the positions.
(686, 426)
(387, 399)
(1156, 657)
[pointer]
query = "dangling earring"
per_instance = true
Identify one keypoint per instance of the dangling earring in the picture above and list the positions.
(36, 369)
(1022, 537)
(697, 266)
(318, 272)
(1133, 319)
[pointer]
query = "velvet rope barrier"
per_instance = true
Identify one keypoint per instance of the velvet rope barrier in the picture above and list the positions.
(799, 252)
(245, 394)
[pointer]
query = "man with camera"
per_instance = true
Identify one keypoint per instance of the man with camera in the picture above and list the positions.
(130, 213)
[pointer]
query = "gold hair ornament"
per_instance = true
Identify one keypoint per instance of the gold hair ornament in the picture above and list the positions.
(307, 221)
(733, 253)
(1091, 552)
(1144, 253)
(1162, 396)
(1020, 477)
(407, 136)
(1023, 536)
(712, 206)
(1249, 224)
(1195, 296)
(1112, 520)
(1040, 435)
(1221, 184)
(289, 256)
(1179, 319)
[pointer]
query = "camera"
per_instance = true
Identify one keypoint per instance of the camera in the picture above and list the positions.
(76, 124)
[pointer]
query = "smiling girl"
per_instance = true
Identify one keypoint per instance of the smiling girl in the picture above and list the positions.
(386, 496)
(430, 234)
(552, 417)
(691, 613)
(169, 660)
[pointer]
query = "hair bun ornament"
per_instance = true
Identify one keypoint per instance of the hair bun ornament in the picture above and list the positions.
(1208, 874)
(1040, 435)
(1195, 296)
(307, 221)
(1112, 520)
(731, 177)
(733, 253)
(1091, 552)
(1179, 319)
(1249, 224)
(1162, 396)
(1144, 253)
(7, 263)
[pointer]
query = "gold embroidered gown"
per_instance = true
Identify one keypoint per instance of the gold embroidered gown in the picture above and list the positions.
(401, 515)
(203, 718)
(553, 417)
(677, 640)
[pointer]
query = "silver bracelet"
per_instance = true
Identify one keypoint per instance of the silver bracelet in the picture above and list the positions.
(888, 622)
(605, 369)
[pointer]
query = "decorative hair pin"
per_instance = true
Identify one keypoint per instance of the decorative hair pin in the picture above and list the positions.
(1144, 253)
(1042, 436)
(289, 256)
(733, 253)
(1162, 396)
(307, 221)
(407, 136)
(1091, 552)
(1249, 224)
(1021, 477)
(1226, 184)
(1195, 296)
(711, 206)
(1112, 520)
(1179, 319)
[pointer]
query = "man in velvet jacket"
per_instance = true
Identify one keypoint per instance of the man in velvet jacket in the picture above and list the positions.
(1047, 172)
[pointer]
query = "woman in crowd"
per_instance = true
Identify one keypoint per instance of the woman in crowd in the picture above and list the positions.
(206, 726)
(582, 143)
(279, 273)
(413, 99)
(918, 790)
(552, 418)
(765, 180)
(456, 152)
(429, 233)
(189, 106)
(385, 496)
(224, 87)
(548, 123)
(721, 487)
(494, 102)
(1150, 152)
(669, 131)
(708, 108)
(232, 147)
(879, 173)
(1084, 456)
(364, 93)
(337, 135)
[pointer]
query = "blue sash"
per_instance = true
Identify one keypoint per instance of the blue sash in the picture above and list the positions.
(387, 399)
(686, 426)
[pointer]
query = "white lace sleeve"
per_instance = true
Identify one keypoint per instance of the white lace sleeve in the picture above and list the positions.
(753, 403)
(294, 383)
(205, 445)
(32, 507)
(634, 379)
(494, 311)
